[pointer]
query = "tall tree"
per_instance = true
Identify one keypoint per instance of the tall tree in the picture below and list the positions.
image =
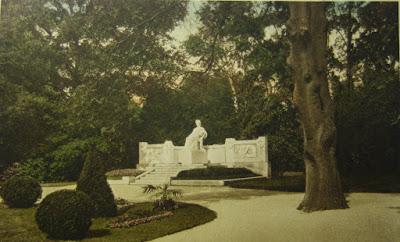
(71, 70)
(308, 36)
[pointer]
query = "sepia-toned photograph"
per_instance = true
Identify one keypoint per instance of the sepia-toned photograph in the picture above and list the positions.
(199, 121)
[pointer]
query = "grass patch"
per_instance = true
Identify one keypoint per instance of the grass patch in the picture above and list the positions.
(285, 183)
(114, 177)
(214, 173)
(379, 184)
(57, 184)
(19, 224)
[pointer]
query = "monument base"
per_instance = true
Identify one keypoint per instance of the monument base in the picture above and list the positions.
(197, 157)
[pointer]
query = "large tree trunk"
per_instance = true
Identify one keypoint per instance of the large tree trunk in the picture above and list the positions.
(308, 36)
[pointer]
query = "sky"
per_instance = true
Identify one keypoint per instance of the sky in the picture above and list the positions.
(190, 24)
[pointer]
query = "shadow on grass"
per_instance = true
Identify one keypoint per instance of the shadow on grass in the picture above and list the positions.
(398, 208)
(283, 184)
(372, 184)
(234, 194)
(97, 233)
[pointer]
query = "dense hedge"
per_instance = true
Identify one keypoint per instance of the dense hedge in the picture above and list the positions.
(65, 214)
(21, 192)
(93, 182)
(216, 172)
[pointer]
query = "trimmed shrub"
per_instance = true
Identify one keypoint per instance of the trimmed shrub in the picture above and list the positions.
(21, 191)
(65, 214)
(214, 172)
(93, 182)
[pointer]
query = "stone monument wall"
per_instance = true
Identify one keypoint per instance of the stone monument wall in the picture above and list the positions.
(251, 154)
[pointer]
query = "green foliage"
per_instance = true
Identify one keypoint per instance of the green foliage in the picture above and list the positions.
(26, 120)
(36, 168)
(21, 192)
(64, 163)
(69, 72)
(279, 121)
(164, 196)
(214, 172)
(199, 97)
(65, 214)
(367, 132)
(93, 182)
(367, 100)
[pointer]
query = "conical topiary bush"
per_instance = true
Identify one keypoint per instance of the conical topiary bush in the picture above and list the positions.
(93, 182)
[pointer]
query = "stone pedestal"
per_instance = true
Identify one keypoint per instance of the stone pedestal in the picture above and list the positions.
(196, 157)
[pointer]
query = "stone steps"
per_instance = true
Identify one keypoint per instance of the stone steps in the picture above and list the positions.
(162, 173)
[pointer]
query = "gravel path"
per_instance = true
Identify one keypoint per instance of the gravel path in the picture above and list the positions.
(252, 215)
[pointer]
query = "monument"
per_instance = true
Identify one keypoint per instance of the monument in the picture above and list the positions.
(163, 161)
(195, 140)
(195, 152)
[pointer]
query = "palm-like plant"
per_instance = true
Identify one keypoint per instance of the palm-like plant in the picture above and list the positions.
(164, 196)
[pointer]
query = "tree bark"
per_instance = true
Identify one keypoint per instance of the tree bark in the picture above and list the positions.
(308, 37)
(349, 47)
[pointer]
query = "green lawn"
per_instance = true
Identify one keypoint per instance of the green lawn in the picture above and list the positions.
(285, 183)
(114, 177)
(379, 184)
(57, 184)
(19, 224)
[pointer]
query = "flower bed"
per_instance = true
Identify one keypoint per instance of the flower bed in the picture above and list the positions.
(126, 221)
(124, 172)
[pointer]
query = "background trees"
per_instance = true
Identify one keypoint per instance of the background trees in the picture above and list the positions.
(71, 71)
(366, 98)
(80, 73)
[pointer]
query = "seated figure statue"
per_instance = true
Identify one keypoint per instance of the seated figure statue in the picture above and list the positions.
(195, 140)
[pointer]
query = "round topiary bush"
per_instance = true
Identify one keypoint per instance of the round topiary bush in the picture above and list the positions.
(65, 214)
(21, 192)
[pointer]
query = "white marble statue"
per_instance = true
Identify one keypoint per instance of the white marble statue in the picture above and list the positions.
(195, 140)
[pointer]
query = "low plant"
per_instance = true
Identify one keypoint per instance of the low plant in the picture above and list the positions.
(65, 214)
(21, 191)
(123, 205)
(164, 196)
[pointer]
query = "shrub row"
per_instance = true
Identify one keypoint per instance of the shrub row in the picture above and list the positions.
(216, 172)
